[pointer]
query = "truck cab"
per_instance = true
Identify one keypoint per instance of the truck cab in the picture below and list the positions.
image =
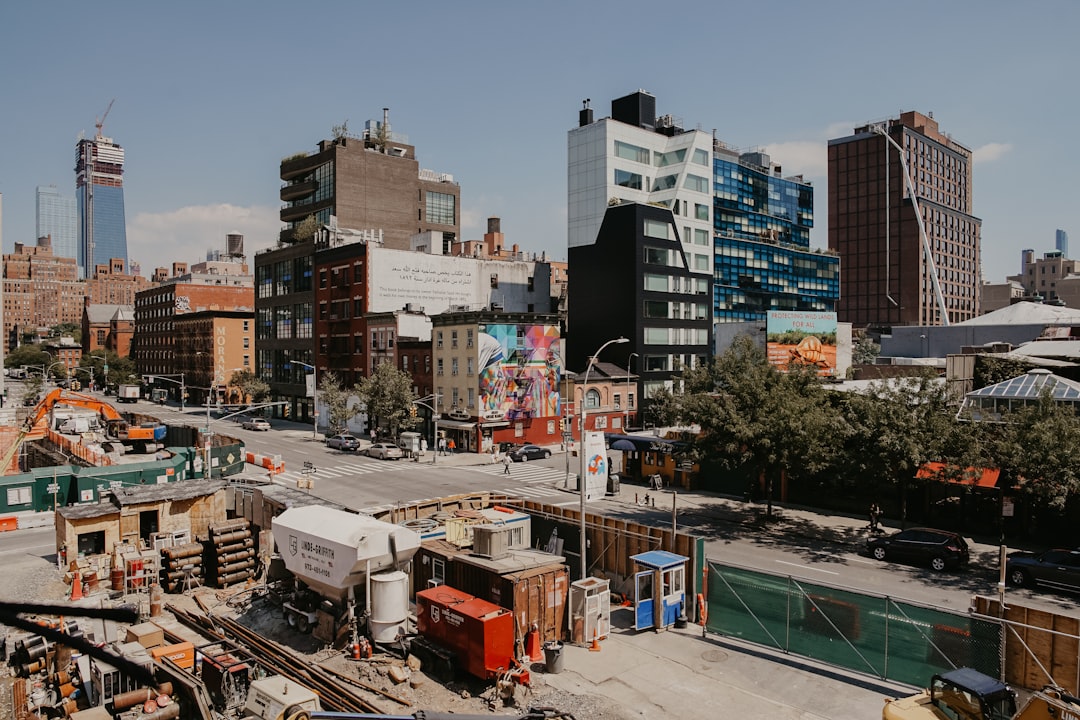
(962, 693)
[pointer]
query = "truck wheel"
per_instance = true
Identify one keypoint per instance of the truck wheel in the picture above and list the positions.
(302, 624)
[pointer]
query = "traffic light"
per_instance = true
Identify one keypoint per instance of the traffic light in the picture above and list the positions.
(285, 410)
(412, 411)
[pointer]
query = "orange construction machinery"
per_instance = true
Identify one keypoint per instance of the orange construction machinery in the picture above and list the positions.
(60, 410)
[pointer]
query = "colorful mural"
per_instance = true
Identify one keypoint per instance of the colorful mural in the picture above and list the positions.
(520, 369)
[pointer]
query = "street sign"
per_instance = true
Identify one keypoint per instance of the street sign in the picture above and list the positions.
(567, 436)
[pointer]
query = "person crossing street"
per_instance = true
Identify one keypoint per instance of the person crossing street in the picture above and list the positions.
(506, 463)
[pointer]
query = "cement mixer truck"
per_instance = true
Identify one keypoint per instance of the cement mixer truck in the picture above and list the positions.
(338, 559)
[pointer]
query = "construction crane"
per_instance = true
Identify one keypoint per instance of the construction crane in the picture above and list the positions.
(101, 121)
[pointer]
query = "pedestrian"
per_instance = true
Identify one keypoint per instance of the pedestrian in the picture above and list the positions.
(372, 433)
(442, 446)
(494, 454)
(875, 516)
(506, 464)
(451, 446)
(423, 446)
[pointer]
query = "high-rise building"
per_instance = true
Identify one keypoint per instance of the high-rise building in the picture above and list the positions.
(1061, 242)
(887, 182)
(56, 218)
(677, 230)
(369, 182)
(99, 183)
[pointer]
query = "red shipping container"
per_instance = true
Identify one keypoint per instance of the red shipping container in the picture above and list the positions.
(479, 632)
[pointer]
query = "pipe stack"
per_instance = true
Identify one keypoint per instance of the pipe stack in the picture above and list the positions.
(232, 553)
(182, 561)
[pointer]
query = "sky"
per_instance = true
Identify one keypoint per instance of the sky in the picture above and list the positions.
(208, 97)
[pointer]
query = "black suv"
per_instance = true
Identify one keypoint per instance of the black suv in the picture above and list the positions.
(1058, 568)
(939, 548)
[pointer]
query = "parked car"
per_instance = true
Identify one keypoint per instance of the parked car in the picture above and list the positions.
(939, 548)
(529, 452)
(255, 424)
(385, 451)
(342, 442)
(1057, 568)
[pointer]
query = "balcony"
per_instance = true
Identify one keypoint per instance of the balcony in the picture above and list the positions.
(295, 191)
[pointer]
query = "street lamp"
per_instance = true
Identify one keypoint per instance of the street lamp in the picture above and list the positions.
(434, 397)
(584, 446)
(314, 398)
(626, 418)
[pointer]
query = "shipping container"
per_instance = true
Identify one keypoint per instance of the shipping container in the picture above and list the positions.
(531, 584)
(479, 633)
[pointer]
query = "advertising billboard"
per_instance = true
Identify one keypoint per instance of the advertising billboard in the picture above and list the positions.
(802, 338)
(596, 468)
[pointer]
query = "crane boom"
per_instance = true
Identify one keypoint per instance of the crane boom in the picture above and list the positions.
(101, 122)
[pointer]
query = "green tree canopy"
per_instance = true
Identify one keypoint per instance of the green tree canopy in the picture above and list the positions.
(255, 390)
(388, 396)
(336, 400)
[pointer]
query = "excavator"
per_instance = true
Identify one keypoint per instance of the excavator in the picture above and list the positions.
(146, 437)
(968, 694)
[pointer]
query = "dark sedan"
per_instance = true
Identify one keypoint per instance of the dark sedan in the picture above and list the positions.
(939, 549)
(529, 452)
(1058, 568)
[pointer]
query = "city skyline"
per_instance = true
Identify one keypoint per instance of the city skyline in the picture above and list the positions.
(205, 111)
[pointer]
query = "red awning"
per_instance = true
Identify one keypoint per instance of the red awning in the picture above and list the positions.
(979, 477)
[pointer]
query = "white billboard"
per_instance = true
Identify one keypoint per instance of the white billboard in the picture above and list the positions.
(596, 465)
(433, 282)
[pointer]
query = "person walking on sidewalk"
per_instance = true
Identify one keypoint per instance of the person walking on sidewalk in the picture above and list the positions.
(506, 464)
(450, 446)
(875, 517)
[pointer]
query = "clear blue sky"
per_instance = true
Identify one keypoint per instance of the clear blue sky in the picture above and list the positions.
(209, 96)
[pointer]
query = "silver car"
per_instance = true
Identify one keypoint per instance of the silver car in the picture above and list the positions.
(255, 424)
(385, 451)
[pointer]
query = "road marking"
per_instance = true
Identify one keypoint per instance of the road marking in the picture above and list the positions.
(807, 567)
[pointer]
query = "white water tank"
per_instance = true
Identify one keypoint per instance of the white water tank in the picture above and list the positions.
(389, 606)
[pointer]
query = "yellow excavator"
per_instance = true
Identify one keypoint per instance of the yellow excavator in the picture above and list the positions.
(967, 694)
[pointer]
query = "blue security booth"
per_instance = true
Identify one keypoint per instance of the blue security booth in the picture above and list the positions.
(659, 589)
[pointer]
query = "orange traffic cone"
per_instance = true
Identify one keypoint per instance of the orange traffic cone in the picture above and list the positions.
(532, 646)
(595, 646)
(76, 588)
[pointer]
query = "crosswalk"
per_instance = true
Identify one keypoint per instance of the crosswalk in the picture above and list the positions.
(351, 469)
(529, 481)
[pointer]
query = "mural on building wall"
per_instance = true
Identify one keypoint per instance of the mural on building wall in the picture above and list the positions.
(520, 369)
(802, 338)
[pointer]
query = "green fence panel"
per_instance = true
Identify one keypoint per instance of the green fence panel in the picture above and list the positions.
(863, 632)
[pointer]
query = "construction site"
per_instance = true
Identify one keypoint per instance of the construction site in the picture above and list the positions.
(197, 597)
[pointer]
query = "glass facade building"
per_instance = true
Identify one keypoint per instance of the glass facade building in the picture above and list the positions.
(762, 255)
(56, 217)
(99, 182)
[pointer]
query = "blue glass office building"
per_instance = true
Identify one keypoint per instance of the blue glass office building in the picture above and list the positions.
(56, 218)
(99, 182)
(762, 255)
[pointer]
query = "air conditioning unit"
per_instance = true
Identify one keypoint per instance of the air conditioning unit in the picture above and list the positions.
(491, 541)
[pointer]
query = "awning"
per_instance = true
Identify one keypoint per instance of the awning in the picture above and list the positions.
(458, 424)
(979, 477)
(644, 443)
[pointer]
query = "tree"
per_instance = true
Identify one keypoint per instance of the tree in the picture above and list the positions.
(72, 330)
(306, 229)
(255, 390)
(31, 354)
(336, 401)
(753, 416)
(865, 351)
(32, 391)
(387, 393)
(1038, 448)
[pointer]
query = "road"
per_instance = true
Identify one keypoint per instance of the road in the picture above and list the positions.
(362, 483)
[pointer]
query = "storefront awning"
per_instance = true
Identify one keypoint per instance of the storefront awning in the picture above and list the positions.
(979, 477)
(458, 424)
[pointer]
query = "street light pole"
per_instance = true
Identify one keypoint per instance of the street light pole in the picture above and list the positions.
(582, 460)
(626, 419)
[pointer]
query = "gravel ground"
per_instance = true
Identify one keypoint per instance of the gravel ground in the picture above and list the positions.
(35, 579)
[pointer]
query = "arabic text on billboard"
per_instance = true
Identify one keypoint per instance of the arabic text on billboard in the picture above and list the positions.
(802, 338)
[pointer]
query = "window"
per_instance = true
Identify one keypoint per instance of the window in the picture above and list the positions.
(247, 343)
(247, 361)
(656, 283)
(439, 366)
(592, 399)
(628, 179)
(441, 208)
(670, 158)
(427, 364)
(618, 401)
(702, 262)
(468, 366)
(405, 363)
(630, 400)
(438, 339)
(701, 237)
(453, 366)
(697, 184)
(701, 212)
(495, 281)
(664, 183)
(655, 309)
(469, 333)
(600, 422)
(656, 336)
(453, 339)
(532, 283)
(472, 397)
(657, 229)
(656, 256)
(701, 157)
(626, 151)
(246, 325)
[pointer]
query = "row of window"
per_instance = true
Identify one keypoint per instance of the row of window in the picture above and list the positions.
(638, 154)
(676, 336)
(469, 369)
(675, 284)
